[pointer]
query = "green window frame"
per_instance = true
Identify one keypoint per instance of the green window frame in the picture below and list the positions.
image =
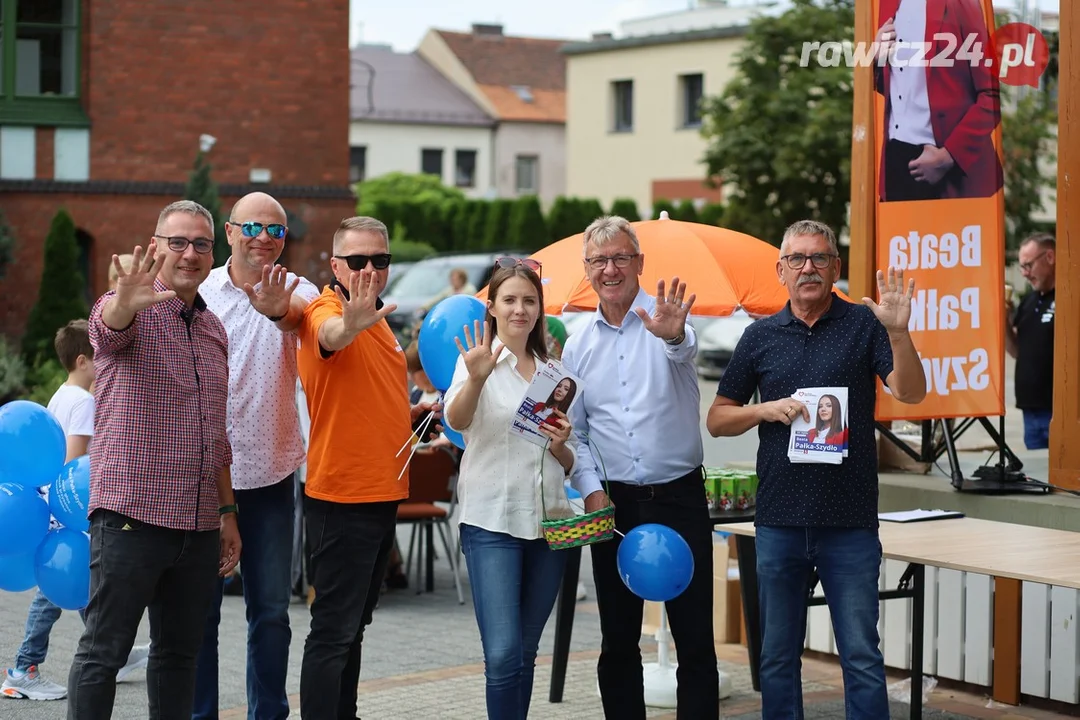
(47, 106)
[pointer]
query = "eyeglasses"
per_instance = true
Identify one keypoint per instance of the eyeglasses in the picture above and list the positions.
(599, 262)
(796, 261)
(509, 262)
(1026, 267)
(252, 229)
(179, 243)
(359, 262)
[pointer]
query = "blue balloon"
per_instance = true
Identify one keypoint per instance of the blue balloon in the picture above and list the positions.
(62, 568)
(69, 495)
(454, 436)
(445, 321)
(24, 519)
(32, 443)
(17, 572)
(655, 562)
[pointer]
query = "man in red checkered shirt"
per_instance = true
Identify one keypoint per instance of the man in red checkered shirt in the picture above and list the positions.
(162, 515)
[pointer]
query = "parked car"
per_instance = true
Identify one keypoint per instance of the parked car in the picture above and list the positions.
(427, 278)
(397, 271)
(717, 338)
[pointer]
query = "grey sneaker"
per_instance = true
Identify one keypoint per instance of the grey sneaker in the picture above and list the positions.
(137, 659)
(30, 685)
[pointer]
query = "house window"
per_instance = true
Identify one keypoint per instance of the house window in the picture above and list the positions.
(431, 161)
(39, 75)
(691, 89)
(465, 168)
(527, 174)
(622, 92)
(357, 164)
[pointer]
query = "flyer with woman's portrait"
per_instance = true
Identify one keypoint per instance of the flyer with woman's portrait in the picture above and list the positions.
(552, 390)
(824, 439)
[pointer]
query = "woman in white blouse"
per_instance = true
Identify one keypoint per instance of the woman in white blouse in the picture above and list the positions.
(514, 576)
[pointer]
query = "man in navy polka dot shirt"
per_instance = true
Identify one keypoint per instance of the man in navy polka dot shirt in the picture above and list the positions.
(813, 516)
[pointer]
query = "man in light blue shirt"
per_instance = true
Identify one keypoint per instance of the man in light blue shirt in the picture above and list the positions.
(639, 418)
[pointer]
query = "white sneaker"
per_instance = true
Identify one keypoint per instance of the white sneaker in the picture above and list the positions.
(30, 685)
(581, 592)
(137, 659)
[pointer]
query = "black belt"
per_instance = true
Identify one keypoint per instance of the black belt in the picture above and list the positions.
(692, 481)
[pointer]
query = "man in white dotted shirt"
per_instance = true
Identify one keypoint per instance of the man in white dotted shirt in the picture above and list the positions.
(260, 304)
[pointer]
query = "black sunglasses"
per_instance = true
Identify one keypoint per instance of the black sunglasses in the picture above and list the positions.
(359, 262)
(252, 229)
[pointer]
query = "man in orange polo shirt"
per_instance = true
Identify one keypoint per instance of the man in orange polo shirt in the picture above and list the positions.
(354, 376)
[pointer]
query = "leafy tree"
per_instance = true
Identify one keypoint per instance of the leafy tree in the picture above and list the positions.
(7, 245)
(686, 211)
(663, 206)
(588, 210)
(497, 227)
(478, 224)
(563, 218)
(400, 186)
(202, 189)
(60, 297)
(780, 134)
(712, 214)
(625, 207)
(528, 230)
(1028, 141)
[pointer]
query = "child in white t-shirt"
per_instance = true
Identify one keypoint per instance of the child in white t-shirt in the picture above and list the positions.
(73, 407)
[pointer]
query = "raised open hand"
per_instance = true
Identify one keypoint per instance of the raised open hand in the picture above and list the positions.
(668, 321)
(479, 359)
(274, 293)
(135, 288)
(893, 308)
(358, 311)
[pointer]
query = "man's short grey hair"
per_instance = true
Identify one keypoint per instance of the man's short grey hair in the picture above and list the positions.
(360, 223)
(811, 228)
(606, 229)
(1045, 241)
(186, 206)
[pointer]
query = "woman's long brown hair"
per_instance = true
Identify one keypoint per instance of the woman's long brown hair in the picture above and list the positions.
(537, 342)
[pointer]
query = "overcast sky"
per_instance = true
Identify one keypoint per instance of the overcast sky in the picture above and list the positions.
(402, 23)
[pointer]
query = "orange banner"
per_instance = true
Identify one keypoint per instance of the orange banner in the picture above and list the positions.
(940, 203)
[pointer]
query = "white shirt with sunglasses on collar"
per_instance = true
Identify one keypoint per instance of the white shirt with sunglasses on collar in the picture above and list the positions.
(262, 420)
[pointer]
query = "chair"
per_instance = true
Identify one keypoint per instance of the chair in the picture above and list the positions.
(431, 473)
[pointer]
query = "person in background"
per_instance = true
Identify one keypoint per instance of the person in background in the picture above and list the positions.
(817, 517)
(459, 285)
(1029, 337)
(514, 575)
(639, 413)
(73, 407)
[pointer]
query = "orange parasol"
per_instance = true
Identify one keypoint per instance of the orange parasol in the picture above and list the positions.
(725, 269)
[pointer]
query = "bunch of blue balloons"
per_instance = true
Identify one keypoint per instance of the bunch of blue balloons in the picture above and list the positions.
(438, 352)
(655, 562)
(32, 452)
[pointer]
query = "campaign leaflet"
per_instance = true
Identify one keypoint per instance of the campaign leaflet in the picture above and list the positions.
(551, 389)
(824, 439)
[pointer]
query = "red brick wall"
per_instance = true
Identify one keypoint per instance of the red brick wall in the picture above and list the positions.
(117, 223)
(268, 78)
(44, 152)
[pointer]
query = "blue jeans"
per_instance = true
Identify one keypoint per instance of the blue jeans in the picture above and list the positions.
(847, 561)
(265, 519)
(1037, 429)
(514, 585)
(40, 619)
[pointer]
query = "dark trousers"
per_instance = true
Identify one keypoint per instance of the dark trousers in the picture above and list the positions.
(135, 566)
(682, 506)
(350, 548)
(899, 185)
(265, 521)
